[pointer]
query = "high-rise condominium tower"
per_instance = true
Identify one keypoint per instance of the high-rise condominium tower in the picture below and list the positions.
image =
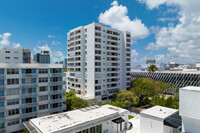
(98, 61)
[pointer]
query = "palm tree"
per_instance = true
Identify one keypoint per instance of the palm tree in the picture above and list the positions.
(152, 68)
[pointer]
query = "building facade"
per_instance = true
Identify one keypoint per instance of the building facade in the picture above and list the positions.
(177, 78)
(98, 61)
(29, 91)
(110, 119)
(15, 55)
(43, 57)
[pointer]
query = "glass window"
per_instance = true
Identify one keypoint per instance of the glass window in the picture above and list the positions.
(13, 122)
(13, 112)
(13, 71)
(12, 101)
(43, 88)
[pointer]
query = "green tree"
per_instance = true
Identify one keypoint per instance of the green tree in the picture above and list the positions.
(73, 102)
(142, 88)
(152, 68)
(26, 130)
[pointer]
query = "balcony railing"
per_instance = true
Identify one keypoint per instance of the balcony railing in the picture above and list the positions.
(56, 92)
(58, 83)
(29, 114)
(28, 95)
(56, 100)
(31, 75)
(26, 105)
(29, 85)
(57, 74)
(57, 109)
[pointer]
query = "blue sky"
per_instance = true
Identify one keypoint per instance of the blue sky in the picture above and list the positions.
(43, 24)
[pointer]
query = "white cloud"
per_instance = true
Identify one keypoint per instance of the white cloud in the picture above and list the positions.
(55, 42)
(16, 45)
(116, 16)
(164, 19)
(182, 41)
(5, 39)
(51, 36)
(159, 57)
(55, 55)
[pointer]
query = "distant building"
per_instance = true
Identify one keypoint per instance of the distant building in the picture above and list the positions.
(94, 119)
(173, 65)
(43, 57)
(65, 63)
(177, 78)
(15, 55)
(150, 61)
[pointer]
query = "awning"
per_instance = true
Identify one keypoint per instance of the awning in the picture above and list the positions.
(174, 121)
(118, 120)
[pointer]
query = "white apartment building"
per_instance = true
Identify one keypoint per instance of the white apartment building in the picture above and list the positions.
(28, 91)
(98, 61)
(15, 55)
(94, 119)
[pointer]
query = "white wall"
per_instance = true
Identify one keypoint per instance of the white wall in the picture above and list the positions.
(150, 124)
(189, 109)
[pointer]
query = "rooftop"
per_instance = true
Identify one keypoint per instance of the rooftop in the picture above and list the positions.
(159, 112)
(191, 88)
(73, 121)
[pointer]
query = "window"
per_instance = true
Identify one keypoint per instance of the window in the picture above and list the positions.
(7, 57)
(14, 91)
(7, 51)
(13, 71)
(97, 87)
(12, 81)
(43, 70)
(28, 90)
(97, 69)
(43, 88)
(13, 122)
(97, 93)
(28, 100)
(44, 106)
(43, 79)
(12, 101)
(13, 112)
(43, 98)
(29, 110)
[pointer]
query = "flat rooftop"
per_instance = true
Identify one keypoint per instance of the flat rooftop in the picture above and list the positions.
(159, 112)
(191, 88)
(75, 120)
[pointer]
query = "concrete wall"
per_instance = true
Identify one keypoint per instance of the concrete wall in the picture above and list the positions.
(189, 109)
(150, 124)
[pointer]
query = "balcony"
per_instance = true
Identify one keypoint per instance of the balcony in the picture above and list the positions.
(31, 114)
(29, 85)
(28, 95)
(57, 109)
(27, 105)
(2, 98)
(31, 75)
(57, 83)
(56, 92)
(57, 74)
(56, 100)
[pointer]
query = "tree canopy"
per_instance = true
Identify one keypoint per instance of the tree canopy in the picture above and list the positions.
(73, 102)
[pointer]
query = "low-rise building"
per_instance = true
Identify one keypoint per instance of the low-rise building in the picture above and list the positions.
(160, 119)
(94, 119)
